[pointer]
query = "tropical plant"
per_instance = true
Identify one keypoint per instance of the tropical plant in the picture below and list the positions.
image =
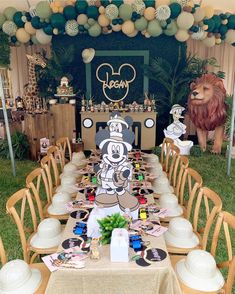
(175, 79)
(5, 50)
(20, 146)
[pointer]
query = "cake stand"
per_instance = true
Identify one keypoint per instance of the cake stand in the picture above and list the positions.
(64, 98)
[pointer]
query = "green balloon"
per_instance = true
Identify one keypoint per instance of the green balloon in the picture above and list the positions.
(48, 30)
(86, 26)
(95, 30)
(217, 21)
(58, 21)
(70, 12)
(81, 6)
(125, 12)
(117, 2)
(17, 18)
(231, 22)
(2, 20)
(9, 12)
(43, 9)
(154, 29)
(223, 29)
(163, 24)
(35, 22)
(171, 29)
(141, 24)
(105, 3)
(149, 3)
(34, 40)
(92, 12)
(91, 21)
(175, 9)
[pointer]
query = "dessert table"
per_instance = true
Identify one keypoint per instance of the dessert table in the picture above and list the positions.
(103, 276)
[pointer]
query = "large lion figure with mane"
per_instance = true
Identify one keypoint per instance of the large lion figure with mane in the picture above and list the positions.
(207, 109)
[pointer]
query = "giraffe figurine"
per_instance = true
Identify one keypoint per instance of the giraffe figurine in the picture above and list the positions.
(32, 102)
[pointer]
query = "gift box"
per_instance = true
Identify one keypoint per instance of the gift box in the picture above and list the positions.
(119, 246)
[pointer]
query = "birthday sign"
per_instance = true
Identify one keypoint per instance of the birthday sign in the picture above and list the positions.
(115, 84)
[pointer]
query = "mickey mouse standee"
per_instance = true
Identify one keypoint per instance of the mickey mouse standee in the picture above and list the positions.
(115, 171)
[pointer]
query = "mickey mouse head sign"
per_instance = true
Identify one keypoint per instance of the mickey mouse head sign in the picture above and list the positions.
(115, 84)
(115, 170)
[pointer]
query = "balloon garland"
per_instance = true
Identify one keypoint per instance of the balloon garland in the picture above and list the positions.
(179, 18)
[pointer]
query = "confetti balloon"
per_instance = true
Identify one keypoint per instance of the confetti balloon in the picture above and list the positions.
(9, 28)
(138, 6)
(111, 11)
(71, 28)
(163, 12)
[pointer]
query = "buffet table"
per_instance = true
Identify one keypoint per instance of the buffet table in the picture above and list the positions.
(104, 276)
(144, 128)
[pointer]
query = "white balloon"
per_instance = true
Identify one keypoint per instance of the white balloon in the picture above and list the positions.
(42, 37)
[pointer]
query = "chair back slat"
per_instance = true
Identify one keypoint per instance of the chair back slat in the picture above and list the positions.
(225, 221)
(3, 256)
(49, 165)
(55, 152)
(173, 161)
(193, 182)
(22, 197)
(178, 174)
(64, 145)
(37, 182)
(165, 153)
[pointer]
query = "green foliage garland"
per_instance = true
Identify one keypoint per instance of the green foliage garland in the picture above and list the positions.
(4, 50)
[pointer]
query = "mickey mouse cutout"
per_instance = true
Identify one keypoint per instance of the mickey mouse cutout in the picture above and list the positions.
(115, 171)
(113, 83)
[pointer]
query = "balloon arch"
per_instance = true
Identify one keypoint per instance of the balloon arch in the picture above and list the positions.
(179, 18)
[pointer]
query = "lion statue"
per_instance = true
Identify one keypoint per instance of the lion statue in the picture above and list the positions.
(207, 109)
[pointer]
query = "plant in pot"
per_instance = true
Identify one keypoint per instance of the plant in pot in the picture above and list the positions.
(109, 223)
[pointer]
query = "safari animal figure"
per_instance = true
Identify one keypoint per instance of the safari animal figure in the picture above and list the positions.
(32, 102)
(207, 109)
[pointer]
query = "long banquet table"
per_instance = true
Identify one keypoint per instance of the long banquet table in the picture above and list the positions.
(106, 277)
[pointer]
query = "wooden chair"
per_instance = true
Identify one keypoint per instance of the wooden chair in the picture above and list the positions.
(33, 182)
(58, 155)
(64, 145)
(49, 164)
(190, 184)
(202, 209)
(165, 153)
(173, 161)
(181, 164)
(40, 266)
(21, 207)
(226, 221)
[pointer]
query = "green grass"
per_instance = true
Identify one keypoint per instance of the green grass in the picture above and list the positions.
(211, 167)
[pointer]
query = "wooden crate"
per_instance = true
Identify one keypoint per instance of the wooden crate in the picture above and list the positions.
(64, 116)
(38, 126)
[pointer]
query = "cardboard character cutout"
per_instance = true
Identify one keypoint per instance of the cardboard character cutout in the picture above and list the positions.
(115, 171)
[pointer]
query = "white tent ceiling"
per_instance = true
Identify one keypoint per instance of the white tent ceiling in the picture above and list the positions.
(223, 5)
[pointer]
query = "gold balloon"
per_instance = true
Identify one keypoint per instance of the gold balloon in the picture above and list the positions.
(133, 34)
(22, 36)
(209, 11)
(162, 2)
(185, 20)
(103, 20)
(29, 29)
(82, 19)
(182, 35)
(128, 27)
(101, 10)
(149, 13)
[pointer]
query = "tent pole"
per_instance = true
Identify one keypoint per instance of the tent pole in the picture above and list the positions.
(231, 136)
(7, 127)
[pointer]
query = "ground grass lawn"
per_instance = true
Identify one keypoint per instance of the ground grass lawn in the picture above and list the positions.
(211, 167)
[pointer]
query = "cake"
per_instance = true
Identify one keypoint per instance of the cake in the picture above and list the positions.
(64, 88)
